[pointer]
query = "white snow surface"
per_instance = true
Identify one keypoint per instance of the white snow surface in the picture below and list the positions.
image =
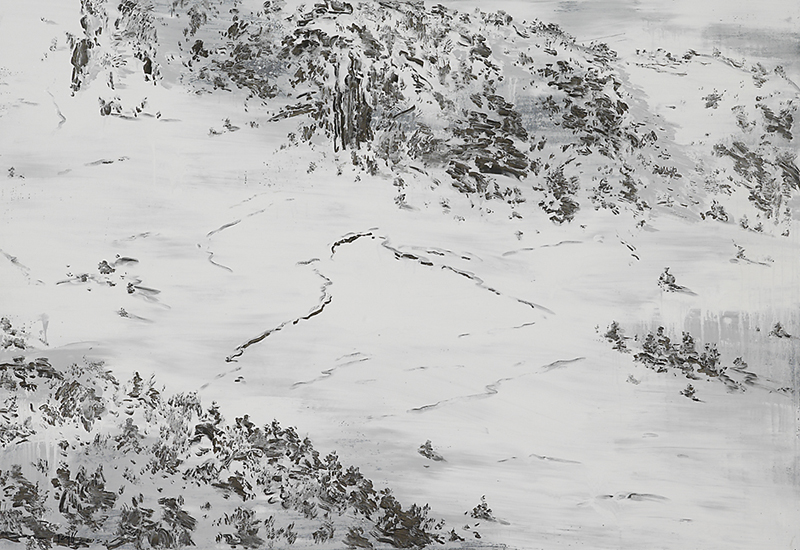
(494, 352)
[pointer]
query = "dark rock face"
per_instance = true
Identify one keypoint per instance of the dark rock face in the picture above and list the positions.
(352, 114)
(80, 59)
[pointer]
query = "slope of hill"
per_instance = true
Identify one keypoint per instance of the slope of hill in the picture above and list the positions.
(545, 290)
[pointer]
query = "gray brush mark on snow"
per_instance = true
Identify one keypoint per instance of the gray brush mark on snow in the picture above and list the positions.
(108, 435)
(326, 297)
(211, 260)
(223, 227)
(24, 269)
(530, 248)
(354, 359)
(324, 300)
(639, 497)
(561, 364)
(61, 116)
(400, 255)
(492, 389)
(554, 459)
(427, 262)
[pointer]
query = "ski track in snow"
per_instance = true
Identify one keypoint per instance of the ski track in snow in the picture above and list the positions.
(422, 260)
(356, 358)
(62, 118)
(554, 459)
(530, 248)
(223, 227)
(325, 299)
(211, 259)
(492, 389)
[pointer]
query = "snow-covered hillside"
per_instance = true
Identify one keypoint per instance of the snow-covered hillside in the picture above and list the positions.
(539, 293)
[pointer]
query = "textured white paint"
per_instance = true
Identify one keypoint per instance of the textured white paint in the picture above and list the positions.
(556, 450)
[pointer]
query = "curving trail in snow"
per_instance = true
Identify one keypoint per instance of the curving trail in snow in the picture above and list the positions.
(324, 300)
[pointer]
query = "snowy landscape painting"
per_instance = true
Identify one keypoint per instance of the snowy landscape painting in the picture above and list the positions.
(400, 274)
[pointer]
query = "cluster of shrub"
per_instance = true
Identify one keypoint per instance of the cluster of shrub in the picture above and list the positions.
(88, 460)
(399, 82)
(660, 353)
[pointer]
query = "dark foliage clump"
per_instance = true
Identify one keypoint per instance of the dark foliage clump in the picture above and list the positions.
(411, 528)
(779, 332)
(690, 392)
(616, 336)
(428, 452)
(660, 353)
(559, 202)
(482, 511)
(666, 281)
(10, 337)
(715, 212)
(771, 176)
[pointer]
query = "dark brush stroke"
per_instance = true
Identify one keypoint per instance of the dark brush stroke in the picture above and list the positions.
(350, 238)
(534, 305)
(400, 255)
(561, 364)
(469, 275)
(629, 247)
(325, 299)
(211, 259)
(223, 227)
(49, 539)
(101, 162)
(443, 252)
